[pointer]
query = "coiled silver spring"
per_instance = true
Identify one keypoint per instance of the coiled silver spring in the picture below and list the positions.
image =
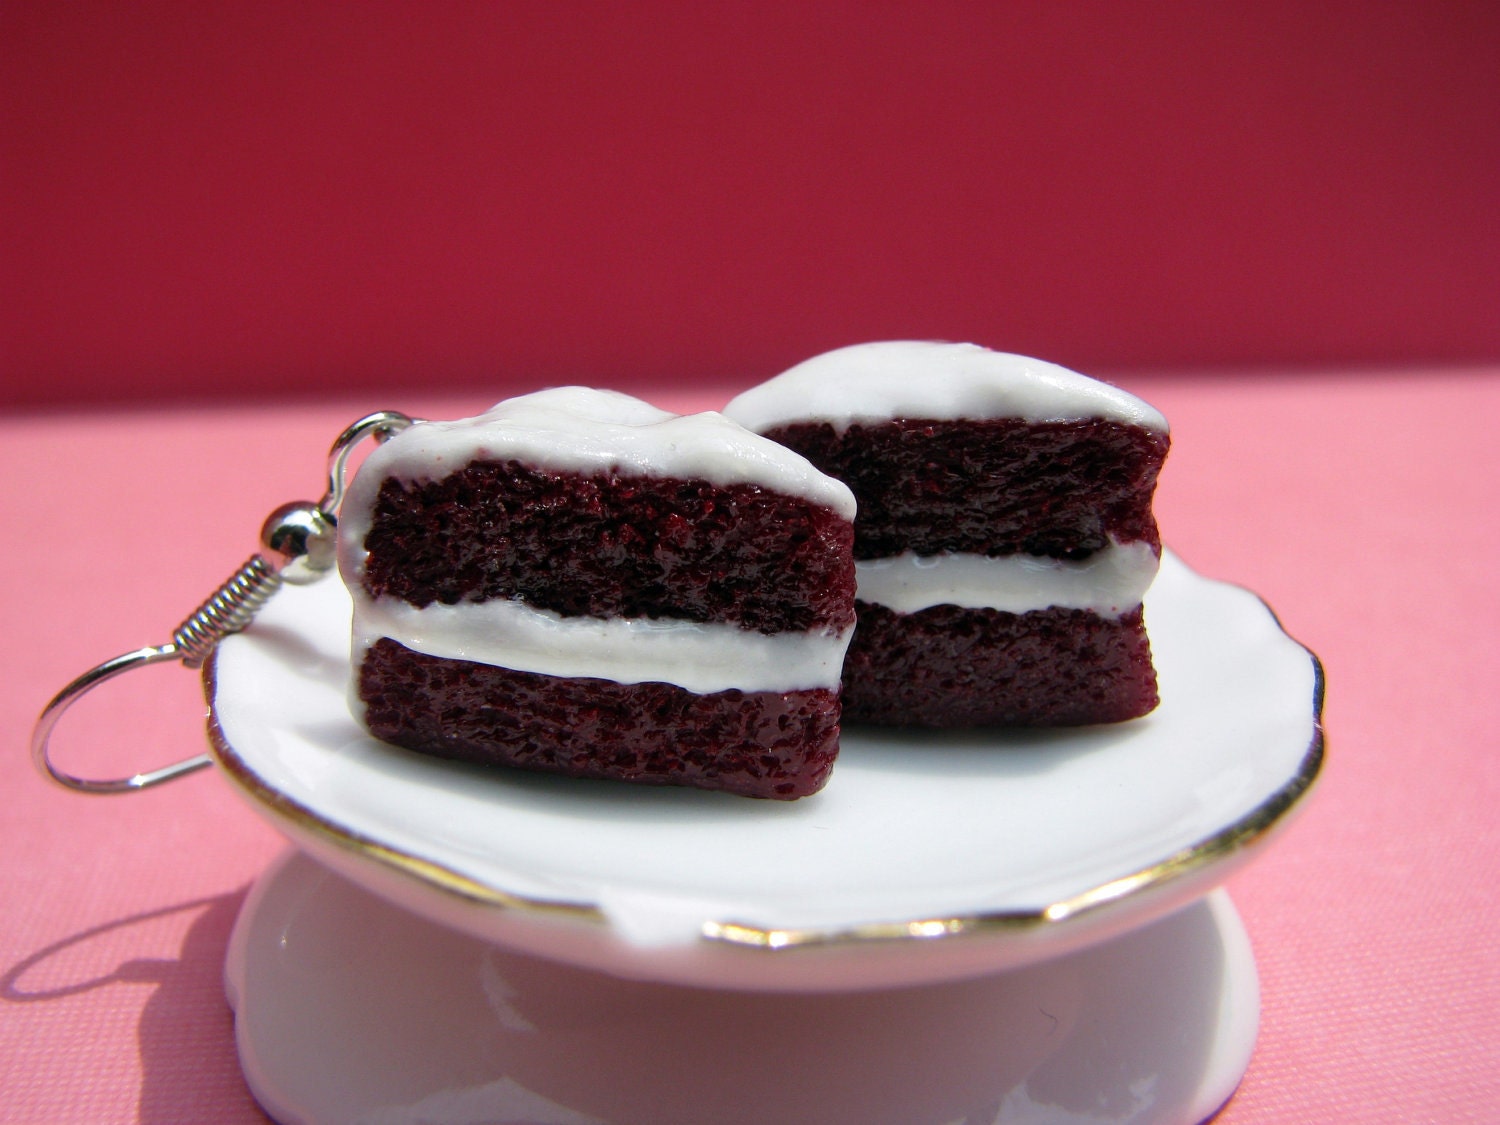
(298, 546)
(232, 607)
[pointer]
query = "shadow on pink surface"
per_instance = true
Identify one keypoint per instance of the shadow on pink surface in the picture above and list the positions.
(189, 1068)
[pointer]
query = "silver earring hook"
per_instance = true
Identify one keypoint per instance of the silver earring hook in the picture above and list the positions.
(298, 542)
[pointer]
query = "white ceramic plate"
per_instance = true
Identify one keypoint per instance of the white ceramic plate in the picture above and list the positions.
(927, 857)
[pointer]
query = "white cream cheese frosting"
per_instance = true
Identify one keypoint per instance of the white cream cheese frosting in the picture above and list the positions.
(1109, 582)
(701, 657)
(931, 380)
(579, 429)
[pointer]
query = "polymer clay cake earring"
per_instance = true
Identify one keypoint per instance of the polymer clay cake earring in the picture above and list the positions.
(1005, 534)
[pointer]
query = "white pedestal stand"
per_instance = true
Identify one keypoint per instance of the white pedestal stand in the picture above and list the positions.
(349, 1009)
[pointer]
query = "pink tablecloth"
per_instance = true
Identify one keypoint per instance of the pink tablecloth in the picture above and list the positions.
(1362, 507)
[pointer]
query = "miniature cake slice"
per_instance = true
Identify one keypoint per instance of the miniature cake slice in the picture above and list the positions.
(580, 583)
(1005, 534)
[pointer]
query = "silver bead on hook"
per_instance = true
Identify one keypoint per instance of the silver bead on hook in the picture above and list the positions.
(301, 541)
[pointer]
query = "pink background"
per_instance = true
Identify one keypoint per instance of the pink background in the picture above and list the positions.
(228, 230)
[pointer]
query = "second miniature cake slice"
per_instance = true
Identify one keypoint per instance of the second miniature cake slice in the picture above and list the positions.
(579, 583)
(1005, 534)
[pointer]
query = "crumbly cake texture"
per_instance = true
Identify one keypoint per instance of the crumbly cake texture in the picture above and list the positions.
(994, 486)
(699, 620)
(1005, 531)
(609, 546)
(952, 667)
(755, 744)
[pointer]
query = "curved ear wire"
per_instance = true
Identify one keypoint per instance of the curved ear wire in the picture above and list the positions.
(297, 546)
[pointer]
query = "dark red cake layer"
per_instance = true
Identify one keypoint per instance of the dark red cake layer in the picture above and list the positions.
(756, 744)
(607, 546)
(993, 487)
(953, 667)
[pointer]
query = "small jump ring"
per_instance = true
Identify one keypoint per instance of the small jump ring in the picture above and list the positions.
(41, 734)
(381, 425)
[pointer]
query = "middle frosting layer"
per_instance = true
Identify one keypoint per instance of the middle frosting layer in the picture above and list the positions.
(701, 657)
(1109, 582)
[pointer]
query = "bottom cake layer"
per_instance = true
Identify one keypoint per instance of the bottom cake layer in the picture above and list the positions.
(953, 667)
(756, 744)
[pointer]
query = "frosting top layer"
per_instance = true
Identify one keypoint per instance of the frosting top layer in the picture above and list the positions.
(930, 380)
(580, 429)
